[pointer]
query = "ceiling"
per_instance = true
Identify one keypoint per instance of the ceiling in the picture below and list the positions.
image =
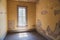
(27, 0)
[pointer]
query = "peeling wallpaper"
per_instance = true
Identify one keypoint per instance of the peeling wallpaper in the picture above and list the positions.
(48, 18)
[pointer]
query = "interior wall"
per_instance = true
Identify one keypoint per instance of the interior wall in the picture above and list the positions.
(12, 14)
(48, 16)
(3, 19)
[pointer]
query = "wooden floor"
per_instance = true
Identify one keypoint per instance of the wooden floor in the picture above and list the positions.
(25, 36)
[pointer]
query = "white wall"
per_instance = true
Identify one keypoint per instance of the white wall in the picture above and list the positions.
(3, 19)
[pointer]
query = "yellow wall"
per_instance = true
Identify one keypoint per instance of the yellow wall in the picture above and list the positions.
(12, 13)
(3, 19)
(48, 18)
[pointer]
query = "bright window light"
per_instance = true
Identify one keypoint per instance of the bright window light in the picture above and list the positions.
(21, 16)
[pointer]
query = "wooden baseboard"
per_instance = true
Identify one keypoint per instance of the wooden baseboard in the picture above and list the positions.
(21, 31)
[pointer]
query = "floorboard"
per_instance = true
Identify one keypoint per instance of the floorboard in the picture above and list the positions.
(25, 36)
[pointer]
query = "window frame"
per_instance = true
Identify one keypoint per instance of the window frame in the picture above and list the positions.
(18, 17)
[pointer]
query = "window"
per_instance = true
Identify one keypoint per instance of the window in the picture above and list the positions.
(21, 16)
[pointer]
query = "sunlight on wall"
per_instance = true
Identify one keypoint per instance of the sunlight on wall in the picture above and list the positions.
(3, 19)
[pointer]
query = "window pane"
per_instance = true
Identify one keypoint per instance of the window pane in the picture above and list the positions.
(22, 11)
(21, 16)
